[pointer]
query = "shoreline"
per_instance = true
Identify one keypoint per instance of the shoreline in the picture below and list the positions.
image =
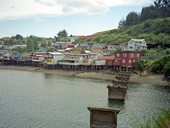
(135, 78)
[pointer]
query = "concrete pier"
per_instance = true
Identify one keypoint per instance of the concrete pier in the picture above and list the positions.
(116, 92)
(103, 117)
(119, 83)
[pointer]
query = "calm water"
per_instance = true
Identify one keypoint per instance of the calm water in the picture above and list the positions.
(37, 100)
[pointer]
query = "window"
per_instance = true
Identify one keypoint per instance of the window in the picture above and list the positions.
(118, 55)
(132, 55)
(49, 61)
(123, 61)
(124, 54)
(130, 61)
(137, 54)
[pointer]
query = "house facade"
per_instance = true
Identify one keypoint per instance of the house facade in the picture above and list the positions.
(136, 44)
(54, 58)
(126, 59)
(109, 60)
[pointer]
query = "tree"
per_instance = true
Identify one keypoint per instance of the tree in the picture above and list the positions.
(150, 12)
(132, 18)
(166, 69)
(44, 45)
(122, 23)
(164, 7)
(62, 34)
(18, 37)
(140, 65)
(32, 43)
(19, 49)
(56, 38)
(79, 40)
(8, 42)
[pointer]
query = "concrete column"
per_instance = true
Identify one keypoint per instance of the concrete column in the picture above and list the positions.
(116, 92)
(103, 117)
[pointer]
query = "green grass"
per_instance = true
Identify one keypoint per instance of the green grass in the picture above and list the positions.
(162, 121)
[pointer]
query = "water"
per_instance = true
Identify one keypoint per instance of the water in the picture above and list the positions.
(38, 100)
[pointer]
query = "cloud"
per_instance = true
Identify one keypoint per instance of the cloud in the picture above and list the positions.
(14, 9)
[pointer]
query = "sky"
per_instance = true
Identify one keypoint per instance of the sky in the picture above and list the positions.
(45, 18)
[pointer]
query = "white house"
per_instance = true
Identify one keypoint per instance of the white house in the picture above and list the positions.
(54, 57)
(18, 45)
(135, 44)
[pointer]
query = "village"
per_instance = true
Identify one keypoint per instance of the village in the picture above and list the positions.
(87, 56)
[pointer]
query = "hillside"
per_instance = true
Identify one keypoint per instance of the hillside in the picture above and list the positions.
(153, 31)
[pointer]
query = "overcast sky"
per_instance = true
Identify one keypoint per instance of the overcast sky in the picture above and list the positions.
(78, 17)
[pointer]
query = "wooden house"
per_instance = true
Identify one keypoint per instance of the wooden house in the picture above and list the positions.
(39, 56)
(125, 60)
(54, 58)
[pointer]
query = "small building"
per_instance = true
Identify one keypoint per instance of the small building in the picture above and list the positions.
(58, 45)
(135, 44)
(72, 38)
(97, 50)
(54, 58)
(109, 60)
(100, 62)
(69, 45)
(112, 47)
(126, 60)
(78, 50)
(39, 56)
(86, 45)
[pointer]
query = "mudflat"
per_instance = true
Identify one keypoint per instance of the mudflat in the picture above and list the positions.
(152, 79)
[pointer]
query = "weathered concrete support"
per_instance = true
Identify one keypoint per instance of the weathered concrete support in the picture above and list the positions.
(116, 92)
(103, 117)
(120, 83)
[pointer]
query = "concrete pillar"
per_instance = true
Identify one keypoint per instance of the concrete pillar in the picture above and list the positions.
(103, 117)
(116, 92)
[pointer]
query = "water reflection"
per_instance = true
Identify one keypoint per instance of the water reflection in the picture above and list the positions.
(118, 104)
(29, 99)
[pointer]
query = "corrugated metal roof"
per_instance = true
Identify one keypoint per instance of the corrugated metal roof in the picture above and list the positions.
(55, 53)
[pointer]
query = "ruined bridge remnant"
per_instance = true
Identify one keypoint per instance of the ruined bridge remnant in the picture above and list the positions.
(103, 117)
(122, 77)
(116, 92)
(118, 88)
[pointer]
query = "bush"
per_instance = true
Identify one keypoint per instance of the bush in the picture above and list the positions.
(158, 64)
(166, 69)
(162, 121)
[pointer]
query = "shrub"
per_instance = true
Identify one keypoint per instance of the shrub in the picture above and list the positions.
(166, 69)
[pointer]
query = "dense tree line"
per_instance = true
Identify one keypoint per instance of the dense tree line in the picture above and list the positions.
(159, 9)
(18, 39)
